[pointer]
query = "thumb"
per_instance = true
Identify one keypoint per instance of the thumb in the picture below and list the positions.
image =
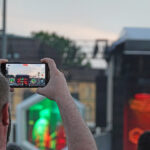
(41, 91)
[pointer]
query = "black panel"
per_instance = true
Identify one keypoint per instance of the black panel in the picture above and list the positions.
(101, 101)
(137, 45)
(131, 76)
(123, 91)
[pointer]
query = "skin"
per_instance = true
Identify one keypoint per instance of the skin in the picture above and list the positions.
(78, 135)
(4, 121)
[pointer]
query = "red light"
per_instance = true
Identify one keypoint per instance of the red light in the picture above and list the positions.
(142, 96)
(136, 119)
(61, 138)
(25, 65)
(134, 135)
(22, 80)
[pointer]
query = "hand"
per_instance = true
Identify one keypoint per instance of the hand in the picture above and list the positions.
(56, 88)
(5, 61)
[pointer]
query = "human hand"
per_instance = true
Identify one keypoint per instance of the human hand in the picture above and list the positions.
(56, 88)
(5, 61)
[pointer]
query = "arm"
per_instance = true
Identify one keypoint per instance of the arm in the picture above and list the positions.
(78, 135)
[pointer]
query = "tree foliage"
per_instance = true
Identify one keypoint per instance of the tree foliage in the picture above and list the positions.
(71, 54)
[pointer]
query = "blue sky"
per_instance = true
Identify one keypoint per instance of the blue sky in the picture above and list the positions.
(77, 19)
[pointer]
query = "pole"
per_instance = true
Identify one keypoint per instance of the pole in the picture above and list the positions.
(4, 38)
(109, 106)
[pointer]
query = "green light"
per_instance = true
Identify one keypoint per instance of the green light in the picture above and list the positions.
(44, 120)
(11, 80)
(53, 135)
(53, 144)
(33, 81)
(46, 113)
(36, 107)
(31, 122)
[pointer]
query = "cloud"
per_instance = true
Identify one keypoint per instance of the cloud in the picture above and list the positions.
(23, 26)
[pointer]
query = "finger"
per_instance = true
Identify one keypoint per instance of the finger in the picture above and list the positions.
(51, 65)
(3, 61)
(41, 91)
(11, 89)
(50, 62)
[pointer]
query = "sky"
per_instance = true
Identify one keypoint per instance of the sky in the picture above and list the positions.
(80, 20)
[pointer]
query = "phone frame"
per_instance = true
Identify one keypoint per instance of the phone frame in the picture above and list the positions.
(3, 71)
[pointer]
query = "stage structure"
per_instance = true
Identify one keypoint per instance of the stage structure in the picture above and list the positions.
(125, 100)
(39, 125)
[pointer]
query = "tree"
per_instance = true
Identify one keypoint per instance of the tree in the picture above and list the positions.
(71, 54)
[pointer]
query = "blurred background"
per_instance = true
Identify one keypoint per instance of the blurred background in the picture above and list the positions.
(103, 48)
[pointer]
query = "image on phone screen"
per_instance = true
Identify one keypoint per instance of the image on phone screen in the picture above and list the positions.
(26, 75)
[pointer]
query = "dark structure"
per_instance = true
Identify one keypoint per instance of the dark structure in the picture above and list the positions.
(101, 99)
(82, 74)
(128, 73)
(24, 49)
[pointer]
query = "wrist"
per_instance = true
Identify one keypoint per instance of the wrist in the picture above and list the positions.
(65, 98)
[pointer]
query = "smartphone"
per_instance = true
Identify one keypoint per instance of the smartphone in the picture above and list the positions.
(24, 75)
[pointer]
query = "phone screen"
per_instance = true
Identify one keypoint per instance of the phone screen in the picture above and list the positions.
(26, 75)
